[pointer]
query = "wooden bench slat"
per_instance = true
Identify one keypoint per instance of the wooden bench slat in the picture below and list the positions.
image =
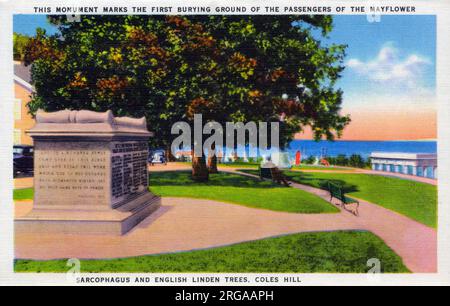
(337, 192)
(349, 200)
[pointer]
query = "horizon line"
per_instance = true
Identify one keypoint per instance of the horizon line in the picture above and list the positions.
(421, 140)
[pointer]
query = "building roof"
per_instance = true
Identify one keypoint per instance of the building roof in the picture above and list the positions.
(400, 155)
(22, 71)
(22, 75)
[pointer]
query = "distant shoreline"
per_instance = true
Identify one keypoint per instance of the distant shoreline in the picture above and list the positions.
(361, 147)
(354, 140)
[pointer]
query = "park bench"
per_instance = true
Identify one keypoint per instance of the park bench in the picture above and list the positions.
(337, 193)
(274, 174)
(279, 177)
(265, 173)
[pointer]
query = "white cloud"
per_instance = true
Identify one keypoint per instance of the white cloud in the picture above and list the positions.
(389, 67)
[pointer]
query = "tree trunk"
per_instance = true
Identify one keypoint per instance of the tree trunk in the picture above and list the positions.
(212, 160)
(169, 155)
(199, 170)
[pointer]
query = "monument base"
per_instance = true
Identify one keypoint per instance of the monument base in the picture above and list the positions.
(116, 221)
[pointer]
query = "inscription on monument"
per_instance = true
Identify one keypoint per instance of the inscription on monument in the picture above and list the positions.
(129, 169)
(72, 169)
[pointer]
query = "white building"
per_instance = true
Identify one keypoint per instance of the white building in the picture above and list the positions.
(419, 164)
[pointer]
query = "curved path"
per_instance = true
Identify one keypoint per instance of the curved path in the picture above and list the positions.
(180, 224)
(415, 242)
(186, 224)
(419, 179)
(183, 224)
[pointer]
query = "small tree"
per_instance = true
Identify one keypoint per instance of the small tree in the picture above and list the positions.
(357, 161)
(331, 160)
(310, 160)
(20, 42)
(342, 160)
(368, 163)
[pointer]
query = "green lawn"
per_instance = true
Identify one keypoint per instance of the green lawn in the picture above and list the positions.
(229, 188)
(23, 194)
(238, 189)
(239, 165)
(326, 252)
(332, 168)
(251, 165)
(415, 200)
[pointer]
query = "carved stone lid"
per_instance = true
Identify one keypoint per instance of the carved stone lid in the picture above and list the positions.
(88, 123)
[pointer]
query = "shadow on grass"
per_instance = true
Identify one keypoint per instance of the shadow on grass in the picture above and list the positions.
(311, 180)
(183, 178)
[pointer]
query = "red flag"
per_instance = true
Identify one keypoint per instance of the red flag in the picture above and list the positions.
(298, 158)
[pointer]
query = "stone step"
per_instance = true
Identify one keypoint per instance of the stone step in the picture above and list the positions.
(117, 221)
(139, 213)
(135, 203)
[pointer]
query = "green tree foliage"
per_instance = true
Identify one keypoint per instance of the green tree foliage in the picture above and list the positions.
(341, 160)
(135, 66)
(310, 160)
(20, 41)
(355, 160)
(280, 68)
(167, 68)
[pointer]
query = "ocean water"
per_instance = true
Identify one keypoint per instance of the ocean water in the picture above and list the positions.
(335, 148)
(363, 148)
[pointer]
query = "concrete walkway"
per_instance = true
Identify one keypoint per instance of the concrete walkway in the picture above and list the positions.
(179, 225)
(186, 224)
(23, 182)
(400, 175)
(415, 242)
(371, 172)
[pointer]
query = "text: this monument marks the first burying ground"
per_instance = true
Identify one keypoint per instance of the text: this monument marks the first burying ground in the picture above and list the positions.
(90, 174)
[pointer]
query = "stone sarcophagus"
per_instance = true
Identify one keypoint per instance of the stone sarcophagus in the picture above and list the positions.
(90, 174)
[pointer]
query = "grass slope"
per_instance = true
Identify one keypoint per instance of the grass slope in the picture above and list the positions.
(246, 165)
(237, 164)
(332, 168)
(415, 200)
(327, 252)
(228, 188)
(23, 194)
(238, 189)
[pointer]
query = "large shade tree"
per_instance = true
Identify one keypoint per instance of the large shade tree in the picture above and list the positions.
(168, 68)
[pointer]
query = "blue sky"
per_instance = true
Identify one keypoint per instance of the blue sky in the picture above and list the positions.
(405, 35)
(27, 24)
(390, 67)
(409, 43)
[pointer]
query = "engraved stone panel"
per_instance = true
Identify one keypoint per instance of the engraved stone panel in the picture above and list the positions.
(72, 174)
(129, 169)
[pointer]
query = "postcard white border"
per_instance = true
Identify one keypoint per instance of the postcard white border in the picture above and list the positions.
(439, 8)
